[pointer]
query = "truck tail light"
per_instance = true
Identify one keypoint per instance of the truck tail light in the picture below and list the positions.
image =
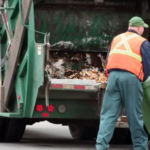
(45, 114)
(39, 108)
(51, 108)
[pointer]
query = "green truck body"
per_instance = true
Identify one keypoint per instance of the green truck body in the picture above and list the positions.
(53, 27)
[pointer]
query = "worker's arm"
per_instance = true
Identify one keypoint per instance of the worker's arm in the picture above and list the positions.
(106, 71)
(108, 53)
(145, 52)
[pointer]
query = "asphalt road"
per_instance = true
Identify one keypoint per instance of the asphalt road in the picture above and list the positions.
(46, 136)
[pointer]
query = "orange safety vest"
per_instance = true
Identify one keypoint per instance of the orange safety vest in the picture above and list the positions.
(125, 53)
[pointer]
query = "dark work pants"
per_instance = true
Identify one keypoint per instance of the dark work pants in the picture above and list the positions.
(123, 89)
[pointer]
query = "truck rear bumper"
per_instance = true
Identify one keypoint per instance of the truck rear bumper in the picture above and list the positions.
(10, 115)
(119, 124)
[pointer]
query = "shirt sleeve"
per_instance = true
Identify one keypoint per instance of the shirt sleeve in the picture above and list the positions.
(145, 52)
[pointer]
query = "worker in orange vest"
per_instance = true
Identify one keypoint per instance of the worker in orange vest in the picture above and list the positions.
(128, 65)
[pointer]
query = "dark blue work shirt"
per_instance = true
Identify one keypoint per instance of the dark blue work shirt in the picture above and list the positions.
(145, 52)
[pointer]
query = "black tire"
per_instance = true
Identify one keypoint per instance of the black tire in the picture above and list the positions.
(148, 144)
(124, 136)
(12, 130)
(128, 138)
(121, 136)
(1, 129)
(80, 132)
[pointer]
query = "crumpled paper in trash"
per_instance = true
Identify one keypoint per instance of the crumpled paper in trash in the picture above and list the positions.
(89, 75)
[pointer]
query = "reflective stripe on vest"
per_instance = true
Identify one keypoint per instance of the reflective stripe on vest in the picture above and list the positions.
(128, 50)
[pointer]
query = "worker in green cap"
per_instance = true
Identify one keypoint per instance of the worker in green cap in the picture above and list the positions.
(128, 64)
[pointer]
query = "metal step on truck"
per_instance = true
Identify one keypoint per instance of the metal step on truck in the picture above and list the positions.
(52, 63)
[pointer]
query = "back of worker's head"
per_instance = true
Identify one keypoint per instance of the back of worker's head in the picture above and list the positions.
(137, 24)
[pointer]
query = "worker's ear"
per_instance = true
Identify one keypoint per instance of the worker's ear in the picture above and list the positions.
(138, 29)
(141, 30)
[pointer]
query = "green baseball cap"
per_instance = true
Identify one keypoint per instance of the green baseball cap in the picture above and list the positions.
(137, 22)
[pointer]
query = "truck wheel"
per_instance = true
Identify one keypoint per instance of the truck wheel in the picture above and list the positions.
(12, 130)
(149, 145)
(121, 136)
(128, 138)
(80, 132)
(1, 123)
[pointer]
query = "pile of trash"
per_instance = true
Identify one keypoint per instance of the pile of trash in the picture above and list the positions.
(86, 74)
(78, 66)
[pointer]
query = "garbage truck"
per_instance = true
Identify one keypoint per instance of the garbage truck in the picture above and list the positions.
(53, 59)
